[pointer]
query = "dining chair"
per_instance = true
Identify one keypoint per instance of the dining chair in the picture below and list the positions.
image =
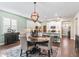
(24, 44)
(47, 47)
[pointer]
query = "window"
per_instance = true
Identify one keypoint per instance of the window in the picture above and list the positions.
(9, 24)
(14, 24)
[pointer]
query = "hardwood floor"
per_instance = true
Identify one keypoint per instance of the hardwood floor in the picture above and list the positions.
(3, 47)
(67, 48)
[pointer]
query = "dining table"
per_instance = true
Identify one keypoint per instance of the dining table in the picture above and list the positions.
(42, 39)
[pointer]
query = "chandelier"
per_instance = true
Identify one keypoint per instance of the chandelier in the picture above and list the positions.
(34, 15)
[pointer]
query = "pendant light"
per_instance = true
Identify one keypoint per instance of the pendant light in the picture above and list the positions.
(34, 15)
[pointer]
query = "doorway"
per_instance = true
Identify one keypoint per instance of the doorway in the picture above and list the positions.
(66, 29)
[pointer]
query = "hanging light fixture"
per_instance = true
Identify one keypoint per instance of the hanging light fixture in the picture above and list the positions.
(34, 15)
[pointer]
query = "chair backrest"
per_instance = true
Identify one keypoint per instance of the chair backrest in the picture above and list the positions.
(23, 41)
(40, 34)
(28, 34)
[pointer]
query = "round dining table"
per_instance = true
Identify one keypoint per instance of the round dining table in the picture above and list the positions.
(42, 40)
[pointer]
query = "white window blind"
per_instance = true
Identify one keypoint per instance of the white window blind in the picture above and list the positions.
(9, 23)
(14, 24)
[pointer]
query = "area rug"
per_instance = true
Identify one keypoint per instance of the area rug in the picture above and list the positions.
(15, 52)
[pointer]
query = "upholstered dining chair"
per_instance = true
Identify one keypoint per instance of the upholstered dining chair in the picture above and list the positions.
(24, 44)
(47, 47)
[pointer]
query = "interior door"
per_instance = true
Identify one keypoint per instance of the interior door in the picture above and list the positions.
(66, 29)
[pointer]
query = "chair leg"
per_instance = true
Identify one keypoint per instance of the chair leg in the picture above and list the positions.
(26, 53)
(21, 53)
(48, 53)
(51, 51)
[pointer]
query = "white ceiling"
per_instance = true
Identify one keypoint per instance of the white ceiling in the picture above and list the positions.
(46, 10)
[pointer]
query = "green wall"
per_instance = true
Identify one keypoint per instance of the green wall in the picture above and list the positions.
(21, 22)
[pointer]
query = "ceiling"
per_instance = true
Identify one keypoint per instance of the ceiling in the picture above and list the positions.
(46, 10)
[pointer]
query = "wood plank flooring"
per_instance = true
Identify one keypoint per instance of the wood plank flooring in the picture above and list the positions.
(67, 47)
